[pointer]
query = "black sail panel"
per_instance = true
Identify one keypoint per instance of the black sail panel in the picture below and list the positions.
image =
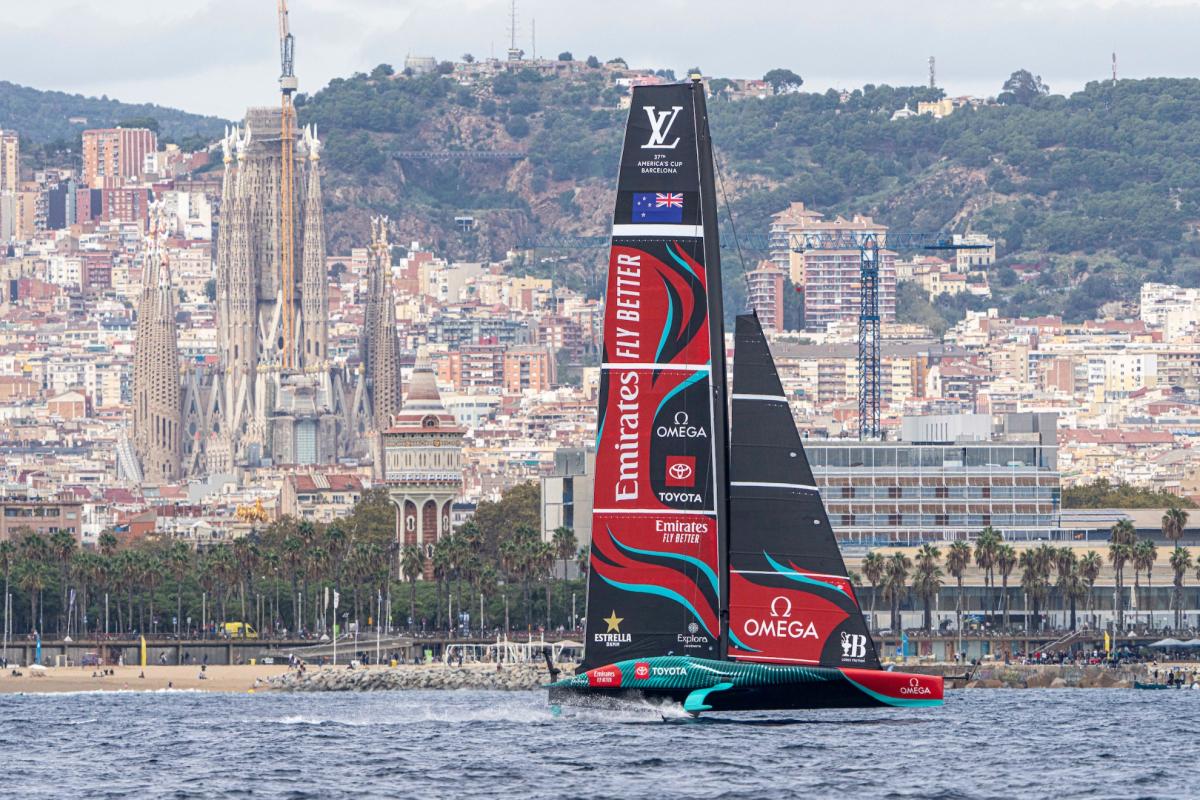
(654, 585)
(790, 600)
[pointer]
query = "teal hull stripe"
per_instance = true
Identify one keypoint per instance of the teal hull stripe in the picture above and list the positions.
(695, 562)
(695, 377)
(892, 701)
(661, 592)
(796, 576)
(662, 341)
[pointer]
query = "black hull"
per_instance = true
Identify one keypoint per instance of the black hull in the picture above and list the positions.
(742, 698)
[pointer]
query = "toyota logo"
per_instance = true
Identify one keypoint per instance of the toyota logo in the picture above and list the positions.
(679, 471)
(777, 602)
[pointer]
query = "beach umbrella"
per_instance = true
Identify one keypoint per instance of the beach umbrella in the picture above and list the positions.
(1167, 643)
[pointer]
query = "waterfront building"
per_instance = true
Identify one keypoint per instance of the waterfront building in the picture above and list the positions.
(829, 278)
(567, 493)
(948, 477)
(422, 462)
(113, 155)
(10, 161)
(45, 513)
(319, 496)
(764, 289)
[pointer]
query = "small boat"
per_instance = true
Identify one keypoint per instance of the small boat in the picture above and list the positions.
(1142, 685)
(715, 580)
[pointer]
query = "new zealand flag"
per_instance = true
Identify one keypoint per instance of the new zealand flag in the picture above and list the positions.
(658, 207)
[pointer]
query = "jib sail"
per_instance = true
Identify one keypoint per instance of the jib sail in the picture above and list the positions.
(790, 600)
(654, 581)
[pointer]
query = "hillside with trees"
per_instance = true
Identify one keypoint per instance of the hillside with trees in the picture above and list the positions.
(44, 119)
(1093, 193)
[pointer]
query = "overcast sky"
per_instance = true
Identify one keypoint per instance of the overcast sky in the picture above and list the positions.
(218, 56)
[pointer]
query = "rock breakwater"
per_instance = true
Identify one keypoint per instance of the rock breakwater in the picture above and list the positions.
(510, 678)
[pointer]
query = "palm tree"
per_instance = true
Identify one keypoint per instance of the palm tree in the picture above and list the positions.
(898, 566)
(1181, 562)
(958, 558)
(1145, 553)
(412, 564)
(1073, 587)
(441, 569)
(108, 543)
(1089, 570)
(873, 568)
(1065, 565)
(1006, 560)
(1120, 551)
(1064, 560)
(63, 547)
(1034, 580)
(1173, 523)
(565, 545)
(986, 544)
(179, 564)
(32, 578)
(927, 581)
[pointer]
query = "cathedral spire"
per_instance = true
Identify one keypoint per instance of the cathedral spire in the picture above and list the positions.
(314, 305)
(381, 347)
(157, 402)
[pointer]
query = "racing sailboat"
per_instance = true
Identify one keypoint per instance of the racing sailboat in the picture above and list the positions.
(715, 579)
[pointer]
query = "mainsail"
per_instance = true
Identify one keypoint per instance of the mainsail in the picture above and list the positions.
(790, 600)
(654, 583)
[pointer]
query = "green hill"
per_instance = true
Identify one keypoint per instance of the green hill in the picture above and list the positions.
(44, 118)
(1099, 190)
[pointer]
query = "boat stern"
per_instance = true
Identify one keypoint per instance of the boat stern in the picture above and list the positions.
(902, 689)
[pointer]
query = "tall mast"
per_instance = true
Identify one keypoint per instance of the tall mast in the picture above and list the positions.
(716, 330)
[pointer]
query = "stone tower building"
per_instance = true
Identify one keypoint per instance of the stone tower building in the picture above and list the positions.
(157, 409)
(422, 454)
(280, 401)
(380, 346)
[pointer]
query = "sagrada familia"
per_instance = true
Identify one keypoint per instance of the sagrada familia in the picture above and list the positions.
(275, 395)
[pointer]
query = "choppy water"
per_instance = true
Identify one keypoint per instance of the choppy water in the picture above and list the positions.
(982, 744)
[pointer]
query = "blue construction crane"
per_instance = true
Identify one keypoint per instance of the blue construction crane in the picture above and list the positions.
(868, 244)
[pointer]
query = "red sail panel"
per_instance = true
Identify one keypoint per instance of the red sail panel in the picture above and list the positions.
(653, 585)
(785, 625)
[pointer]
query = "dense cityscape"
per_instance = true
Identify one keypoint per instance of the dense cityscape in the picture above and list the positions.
(161, 392)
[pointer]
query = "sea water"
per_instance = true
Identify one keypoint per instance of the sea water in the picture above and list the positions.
(1104, 743)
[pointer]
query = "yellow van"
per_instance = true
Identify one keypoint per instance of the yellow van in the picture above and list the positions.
(240, 630)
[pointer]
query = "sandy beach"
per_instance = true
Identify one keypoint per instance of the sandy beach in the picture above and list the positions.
(218, 678)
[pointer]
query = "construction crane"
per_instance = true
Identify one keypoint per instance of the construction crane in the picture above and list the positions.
(869, 244)
(287, 248)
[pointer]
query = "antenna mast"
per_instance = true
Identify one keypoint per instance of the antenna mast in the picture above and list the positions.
(932, 79)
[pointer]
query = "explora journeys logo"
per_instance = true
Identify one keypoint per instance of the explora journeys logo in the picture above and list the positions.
(660, 127)
(915, 687)
(693, 638)
(780, 625)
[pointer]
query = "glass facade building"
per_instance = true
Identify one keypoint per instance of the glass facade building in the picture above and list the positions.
(881, 493)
